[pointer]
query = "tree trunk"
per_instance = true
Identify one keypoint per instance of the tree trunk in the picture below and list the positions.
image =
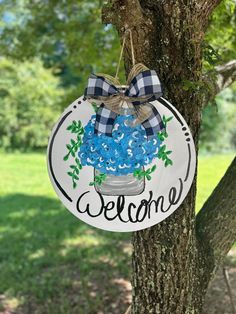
(168, 268)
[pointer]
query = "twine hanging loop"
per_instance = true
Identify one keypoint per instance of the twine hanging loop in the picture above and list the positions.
(142, 86)
(116, 102)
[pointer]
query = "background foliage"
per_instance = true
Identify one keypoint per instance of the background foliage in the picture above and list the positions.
(29, 103)
(70, 42)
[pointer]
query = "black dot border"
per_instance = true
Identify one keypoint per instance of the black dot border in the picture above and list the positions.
(184, 129)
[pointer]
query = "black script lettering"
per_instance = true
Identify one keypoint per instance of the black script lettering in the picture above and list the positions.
(144, 204)
(87, 209)
(120, 207)
(110, 205)
(158, 203)
(172, 195)
(129, 212)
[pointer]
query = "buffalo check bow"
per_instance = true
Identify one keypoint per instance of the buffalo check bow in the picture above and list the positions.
(143, 88)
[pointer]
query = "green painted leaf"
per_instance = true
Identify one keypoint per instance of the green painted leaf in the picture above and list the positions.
(160, 136)
(76, 147)
(74, 130)
(73, 142)
(79, 141)
(170, 118)
(170, 162)
(75, 176)
(78, 163)
(153, 168)
(75, 169)
(148, 177)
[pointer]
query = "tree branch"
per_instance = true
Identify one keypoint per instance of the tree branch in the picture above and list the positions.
(226, 75)
(217, 80)
(216, 223)
(205, 9)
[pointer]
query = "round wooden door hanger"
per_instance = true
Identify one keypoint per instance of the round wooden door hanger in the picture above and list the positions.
(119, 171)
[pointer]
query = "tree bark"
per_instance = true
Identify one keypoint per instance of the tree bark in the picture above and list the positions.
(166, 259)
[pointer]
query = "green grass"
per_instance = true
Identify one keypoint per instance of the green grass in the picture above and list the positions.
(210, 171)
(50, 262)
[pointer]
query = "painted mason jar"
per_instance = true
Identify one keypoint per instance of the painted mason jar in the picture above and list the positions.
(118, 160)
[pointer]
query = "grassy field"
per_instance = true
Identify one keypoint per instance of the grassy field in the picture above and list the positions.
(50, 262)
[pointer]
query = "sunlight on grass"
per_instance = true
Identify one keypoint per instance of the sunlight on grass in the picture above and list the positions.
(79, 242)
(84, 241)
(20, 215)
(25, 173)
(39, 253)
(11, 303)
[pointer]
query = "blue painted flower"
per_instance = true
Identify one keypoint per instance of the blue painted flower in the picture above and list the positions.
(123, 153)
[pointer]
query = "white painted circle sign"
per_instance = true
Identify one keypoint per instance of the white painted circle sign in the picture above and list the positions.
(150, 179)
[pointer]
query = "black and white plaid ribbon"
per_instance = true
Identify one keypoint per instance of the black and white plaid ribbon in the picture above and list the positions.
(143, 88)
